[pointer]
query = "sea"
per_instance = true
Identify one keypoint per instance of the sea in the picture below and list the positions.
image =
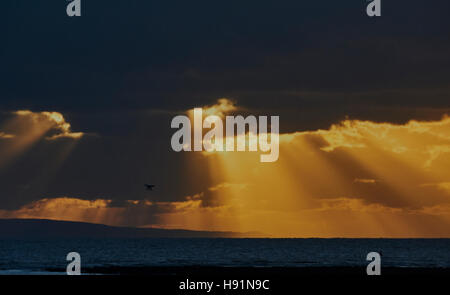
(49, 256)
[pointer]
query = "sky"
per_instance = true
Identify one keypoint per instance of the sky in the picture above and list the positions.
(86, 105)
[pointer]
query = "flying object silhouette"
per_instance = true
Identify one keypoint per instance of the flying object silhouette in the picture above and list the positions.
(149, 186)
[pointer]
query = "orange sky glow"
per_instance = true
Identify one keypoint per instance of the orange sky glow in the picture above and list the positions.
(354, 179)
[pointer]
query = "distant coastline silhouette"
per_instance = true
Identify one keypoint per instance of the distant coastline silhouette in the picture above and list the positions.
(44, 228)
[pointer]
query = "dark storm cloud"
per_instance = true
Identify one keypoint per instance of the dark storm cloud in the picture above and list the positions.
(270, 54)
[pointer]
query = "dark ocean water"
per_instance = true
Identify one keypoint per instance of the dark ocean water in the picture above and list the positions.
(24, 257)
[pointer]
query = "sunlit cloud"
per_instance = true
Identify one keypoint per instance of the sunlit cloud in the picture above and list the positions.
(212, 135)
(4, 135)
(53, 121)
(227, 185)
(64, 208)
(438, 210)
(365, 180)
(221, 108)
(25, 128)
(430, 139)
(352, 204)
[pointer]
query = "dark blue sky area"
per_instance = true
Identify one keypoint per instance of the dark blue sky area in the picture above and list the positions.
(305, 55)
